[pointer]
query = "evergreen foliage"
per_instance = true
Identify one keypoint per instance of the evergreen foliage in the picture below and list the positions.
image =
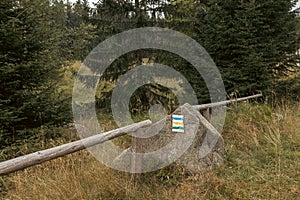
(32, 52)
(252, 42)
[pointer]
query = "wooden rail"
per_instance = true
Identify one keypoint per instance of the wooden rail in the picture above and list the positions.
(223, 103)
(23, 162)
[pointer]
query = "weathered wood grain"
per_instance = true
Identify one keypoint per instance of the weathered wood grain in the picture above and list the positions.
(25, 161)
(223, 103)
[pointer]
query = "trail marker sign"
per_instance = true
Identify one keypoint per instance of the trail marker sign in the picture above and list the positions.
(177, 123)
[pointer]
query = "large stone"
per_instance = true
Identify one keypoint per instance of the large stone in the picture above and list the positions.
(198, 148)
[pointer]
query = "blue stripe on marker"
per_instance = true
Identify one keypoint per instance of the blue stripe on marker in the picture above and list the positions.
(177, 118)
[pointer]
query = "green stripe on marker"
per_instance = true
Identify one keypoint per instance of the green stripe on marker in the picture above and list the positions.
(177, 127)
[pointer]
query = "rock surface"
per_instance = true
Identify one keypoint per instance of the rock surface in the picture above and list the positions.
(197, 149)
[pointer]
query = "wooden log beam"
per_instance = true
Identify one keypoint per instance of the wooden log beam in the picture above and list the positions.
(25, 161)
(223, 103)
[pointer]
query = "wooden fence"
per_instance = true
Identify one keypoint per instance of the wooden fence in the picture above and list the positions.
(25, 161)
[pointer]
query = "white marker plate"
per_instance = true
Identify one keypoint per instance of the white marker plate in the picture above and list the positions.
(177, 123)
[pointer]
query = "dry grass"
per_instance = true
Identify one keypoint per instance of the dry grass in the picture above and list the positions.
(263, 163)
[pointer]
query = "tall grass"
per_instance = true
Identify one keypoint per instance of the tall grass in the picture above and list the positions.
(263, 160)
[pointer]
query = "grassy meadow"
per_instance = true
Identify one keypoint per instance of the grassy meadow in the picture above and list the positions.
(263, 160)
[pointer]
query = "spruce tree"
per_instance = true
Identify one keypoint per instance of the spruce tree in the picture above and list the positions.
(251, 41)
(30, 57)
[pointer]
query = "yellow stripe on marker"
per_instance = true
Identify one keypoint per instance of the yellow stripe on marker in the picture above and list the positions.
(177, 123)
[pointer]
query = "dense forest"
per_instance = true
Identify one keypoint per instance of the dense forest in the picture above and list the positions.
(254, 43)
